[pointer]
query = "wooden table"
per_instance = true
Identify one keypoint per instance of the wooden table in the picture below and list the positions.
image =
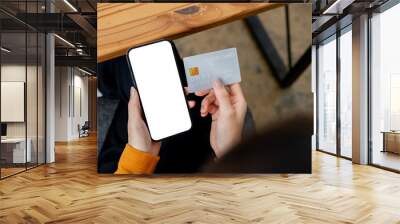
(121, 26)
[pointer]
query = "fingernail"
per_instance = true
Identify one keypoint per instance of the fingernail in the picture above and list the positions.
(132, 91)
(218, 83)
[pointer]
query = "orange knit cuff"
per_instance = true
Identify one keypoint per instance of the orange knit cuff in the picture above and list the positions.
(133, 161)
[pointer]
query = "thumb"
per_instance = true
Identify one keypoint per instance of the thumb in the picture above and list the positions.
(221, 94)
(134, 111)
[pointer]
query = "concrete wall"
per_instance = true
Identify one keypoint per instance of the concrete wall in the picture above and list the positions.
(267, 101)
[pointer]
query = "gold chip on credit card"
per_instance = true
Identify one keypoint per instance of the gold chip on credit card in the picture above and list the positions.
(193, 71)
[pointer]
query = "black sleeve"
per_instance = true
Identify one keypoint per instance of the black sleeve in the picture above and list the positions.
(114, 82)
(115, 141)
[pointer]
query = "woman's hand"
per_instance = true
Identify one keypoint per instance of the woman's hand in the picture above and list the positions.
(138, 133)
(227, 107)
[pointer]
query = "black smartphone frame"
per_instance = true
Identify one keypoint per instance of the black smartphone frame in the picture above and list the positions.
(182, 78)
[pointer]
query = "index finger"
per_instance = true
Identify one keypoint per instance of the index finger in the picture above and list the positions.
(236, 90)
(202, 92)
(134, 109)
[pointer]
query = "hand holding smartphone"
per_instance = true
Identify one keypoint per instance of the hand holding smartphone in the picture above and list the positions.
(155, 72)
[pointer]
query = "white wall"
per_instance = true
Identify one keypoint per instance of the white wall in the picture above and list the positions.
(62, 81)
(33, 126)
(70, 83)
(79, 117)
(12, 73)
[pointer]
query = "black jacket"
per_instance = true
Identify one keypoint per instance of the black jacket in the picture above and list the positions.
(183, 153)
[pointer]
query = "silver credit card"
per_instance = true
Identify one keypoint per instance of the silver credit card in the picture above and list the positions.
(201, 70)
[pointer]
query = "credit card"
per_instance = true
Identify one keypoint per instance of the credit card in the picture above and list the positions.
(203, 69)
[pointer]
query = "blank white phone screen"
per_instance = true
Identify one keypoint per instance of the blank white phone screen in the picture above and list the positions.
(160, 90)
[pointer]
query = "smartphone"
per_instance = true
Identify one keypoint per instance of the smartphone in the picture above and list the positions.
(155, 73)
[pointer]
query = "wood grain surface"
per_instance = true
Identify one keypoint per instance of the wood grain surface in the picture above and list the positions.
(71, 191)
(121, 26)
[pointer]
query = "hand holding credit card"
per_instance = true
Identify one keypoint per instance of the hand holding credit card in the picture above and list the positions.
(203, 69)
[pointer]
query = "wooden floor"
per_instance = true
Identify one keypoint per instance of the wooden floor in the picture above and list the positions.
(11, 170)
(70, 191)
(8, 171)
